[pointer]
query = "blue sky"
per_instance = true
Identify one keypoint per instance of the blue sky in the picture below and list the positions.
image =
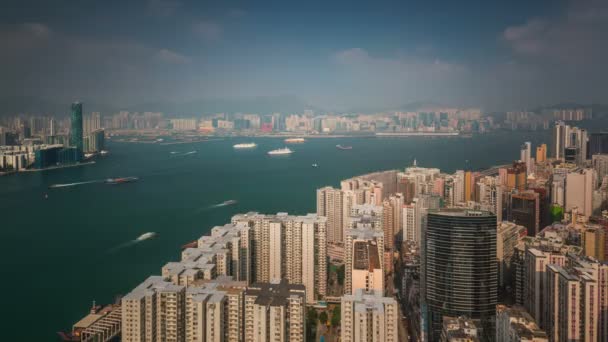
(337, 55)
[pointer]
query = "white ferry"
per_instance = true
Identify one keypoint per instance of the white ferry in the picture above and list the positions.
(280, 151)
(294, 140)
(245, 145)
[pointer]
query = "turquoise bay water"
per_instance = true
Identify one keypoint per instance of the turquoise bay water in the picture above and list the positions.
(59, 254)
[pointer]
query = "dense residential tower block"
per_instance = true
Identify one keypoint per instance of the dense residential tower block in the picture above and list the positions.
(275, 312)
(368, 316)
(154, 312)
(364, 260)
(330, 205)
(514, 324)
(288, 247)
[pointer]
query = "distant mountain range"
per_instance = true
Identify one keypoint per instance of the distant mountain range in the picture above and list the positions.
(261, 105)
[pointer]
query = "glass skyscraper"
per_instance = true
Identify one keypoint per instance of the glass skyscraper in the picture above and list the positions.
(76, 129)
(459, 269)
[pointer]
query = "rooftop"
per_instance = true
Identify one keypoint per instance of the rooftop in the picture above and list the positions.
(275, 294)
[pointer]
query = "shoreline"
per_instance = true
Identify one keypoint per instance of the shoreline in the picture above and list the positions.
(58, 167)
(166, 143)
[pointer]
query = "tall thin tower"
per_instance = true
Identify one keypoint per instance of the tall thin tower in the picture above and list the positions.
(76, 129)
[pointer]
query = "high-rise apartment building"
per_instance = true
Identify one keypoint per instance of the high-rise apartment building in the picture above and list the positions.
(410, 222)
(214, 311)
(517, 176)
(579, 191)
(576, 301)
(514, 324)
(184, 124)
(598, 144)
(364, 259)
(593, 241)
(368, 316)
(468, 181)
(600, 165)
(526, 156)
(414, 214)
(489, 193)
(91, 122)
(459, 275)
(541, 153)
(154, 311)
(330, 205)
(275, 312)
(76, 136)
(536, 261)
(575, 138)
(392, 215)
(508, 236)
(367, 215)
(288, 247)
(525, 210)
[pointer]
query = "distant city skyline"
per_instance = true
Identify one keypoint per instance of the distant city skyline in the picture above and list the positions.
(340, 57)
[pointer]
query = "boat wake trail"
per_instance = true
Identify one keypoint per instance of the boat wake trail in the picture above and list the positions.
(181, 154)
(218, 205)
(141, 238)
(67, 185)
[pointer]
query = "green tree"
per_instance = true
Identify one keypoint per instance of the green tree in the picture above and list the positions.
(323, 317)
(311, 324)
(312, 315)
(335, 317)
(340, 275)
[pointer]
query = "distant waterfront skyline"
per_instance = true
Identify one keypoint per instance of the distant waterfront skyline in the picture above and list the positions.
(341, 56)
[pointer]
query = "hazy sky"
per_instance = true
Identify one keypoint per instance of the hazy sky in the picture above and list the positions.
(331, 54)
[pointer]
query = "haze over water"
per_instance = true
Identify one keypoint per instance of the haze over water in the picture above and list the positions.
(59, 254)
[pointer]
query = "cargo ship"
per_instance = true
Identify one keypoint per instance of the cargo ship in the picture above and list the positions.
(245, 146)
(340, 147)
(121, 180)
(294, 140)
(280, 151)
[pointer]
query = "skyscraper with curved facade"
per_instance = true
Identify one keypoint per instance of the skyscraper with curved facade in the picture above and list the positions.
(459, 268)
(76, 129)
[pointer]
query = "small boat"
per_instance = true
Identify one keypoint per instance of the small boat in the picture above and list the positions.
(315, 165)
(245, 146)
(340, 147)
(103, 152)
(121, 180)
(280, 151)
(294, 140)
(146, 236)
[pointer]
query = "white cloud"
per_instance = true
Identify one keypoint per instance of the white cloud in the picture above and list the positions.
(575, 37)
(396, 80)
(208, 30)
(168, 56)
(392, 67)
